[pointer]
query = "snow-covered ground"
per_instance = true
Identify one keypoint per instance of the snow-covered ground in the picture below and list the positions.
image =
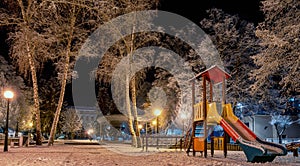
(124, 155)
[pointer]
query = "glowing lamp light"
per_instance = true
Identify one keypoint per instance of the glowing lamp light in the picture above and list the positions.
(154, 122)
(140, 126)
(90, 131)
(157, 112)
(8, 94)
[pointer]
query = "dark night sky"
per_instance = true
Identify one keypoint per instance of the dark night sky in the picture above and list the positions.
(195, 10)
(247, 9)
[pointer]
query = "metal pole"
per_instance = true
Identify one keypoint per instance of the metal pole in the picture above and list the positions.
(157, 125)
(100, 124)
(205, 115)
(157, 132)
(191, 143)
(146, 128)
(6, 129)
(224, 102)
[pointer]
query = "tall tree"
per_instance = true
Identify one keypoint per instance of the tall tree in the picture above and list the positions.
(28, 45)
(236, 42)
(77, 20)
(72, 13)
(126, 47)
(277, 78)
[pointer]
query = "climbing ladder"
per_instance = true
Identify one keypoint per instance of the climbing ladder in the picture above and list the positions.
(199, 130)
(196, 137)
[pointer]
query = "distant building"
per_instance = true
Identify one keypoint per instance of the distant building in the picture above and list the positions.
(260, 125)
(88, 116)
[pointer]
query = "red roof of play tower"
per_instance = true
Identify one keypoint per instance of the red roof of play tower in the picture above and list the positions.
(214, 74)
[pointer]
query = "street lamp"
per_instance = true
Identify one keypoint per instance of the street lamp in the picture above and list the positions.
(157, 112)
(154, 126)
(140, 127)
(8, 95)
(90, 132)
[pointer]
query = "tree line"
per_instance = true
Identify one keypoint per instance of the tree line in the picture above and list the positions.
(44, 37)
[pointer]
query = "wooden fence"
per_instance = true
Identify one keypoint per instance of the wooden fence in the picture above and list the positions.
(162, 141)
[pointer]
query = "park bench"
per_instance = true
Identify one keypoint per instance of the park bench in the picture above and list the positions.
(293, 146)
(13, 142)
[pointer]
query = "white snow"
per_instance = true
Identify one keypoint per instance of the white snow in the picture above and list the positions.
(124, 155)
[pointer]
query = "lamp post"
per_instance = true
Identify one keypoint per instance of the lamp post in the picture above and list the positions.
(157, 113)
(29, 133)
(154, 126)
(8, 95)
(90, 133)
(140, 127)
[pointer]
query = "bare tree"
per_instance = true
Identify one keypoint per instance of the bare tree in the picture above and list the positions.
(126, 47)
(281, 123)
(236, 41)
(75, 21)
(29, 47)
(71, 122)
(276, 78)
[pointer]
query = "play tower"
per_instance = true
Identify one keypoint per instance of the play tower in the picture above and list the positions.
(206, 117)
(198, 141)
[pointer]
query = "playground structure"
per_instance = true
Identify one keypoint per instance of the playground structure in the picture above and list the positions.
(206, 116)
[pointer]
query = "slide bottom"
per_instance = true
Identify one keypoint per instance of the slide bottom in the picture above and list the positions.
(255, 154)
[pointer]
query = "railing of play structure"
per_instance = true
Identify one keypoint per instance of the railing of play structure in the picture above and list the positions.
(219, 145)
(198, 112)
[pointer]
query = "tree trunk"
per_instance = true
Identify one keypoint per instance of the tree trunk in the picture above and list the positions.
(128, 108)
(132, 122)
(33, 73)
(63, 81)
(133, 90)
(280, 135)
(136, 123)
(35, 94)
